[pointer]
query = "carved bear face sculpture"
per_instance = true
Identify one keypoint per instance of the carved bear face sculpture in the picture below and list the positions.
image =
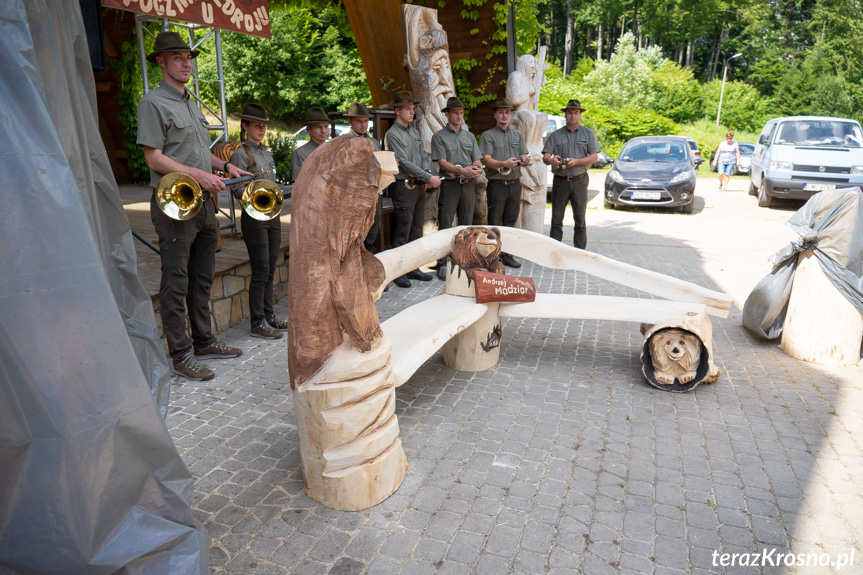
(477, 248)
(675, 354)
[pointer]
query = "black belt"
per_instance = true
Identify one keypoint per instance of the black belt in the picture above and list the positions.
(506, 182)
(572, 178)
(461, 181)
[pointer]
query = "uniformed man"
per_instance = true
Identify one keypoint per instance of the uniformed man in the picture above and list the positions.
(358, 119)
(173, 132)
(455, 150)
(413, 179)
(318, 128)
(504, 149)
(578, 146)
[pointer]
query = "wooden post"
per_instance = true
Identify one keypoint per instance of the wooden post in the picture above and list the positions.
(821, 326)
(477, 347)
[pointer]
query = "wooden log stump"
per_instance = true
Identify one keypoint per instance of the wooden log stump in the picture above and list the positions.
(821, 325)
(350, 449)
(477, 347)
(677, 354)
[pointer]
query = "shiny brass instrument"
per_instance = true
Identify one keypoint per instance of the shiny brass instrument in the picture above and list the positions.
(179, 196)
(410, 183)
(507, 171)
(262, 200)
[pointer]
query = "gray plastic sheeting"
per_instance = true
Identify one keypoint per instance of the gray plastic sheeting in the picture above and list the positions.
(90, 481)
(831, 223)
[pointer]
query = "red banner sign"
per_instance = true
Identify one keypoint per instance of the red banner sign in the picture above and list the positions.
(245, 16)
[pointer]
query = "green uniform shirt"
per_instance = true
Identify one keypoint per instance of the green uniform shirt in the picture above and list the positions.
(503, 145)
(405, 141)
(566, 143)
(376, 146)
(169, 120)
(299, 156)
(263, 161)
(457, 148)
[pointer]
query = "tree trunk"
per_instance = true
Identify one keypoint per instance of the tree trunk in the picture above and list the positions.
(567, 45)
(821, 325)
(599, 43)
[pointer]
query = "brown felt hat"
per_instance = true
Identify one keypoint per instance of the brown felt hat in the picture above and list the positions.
(170, 42)
(501, 103)
(358, 110)
(452, 102)
(402, 98)
(572, 105)
(254, 113)
(316, 116)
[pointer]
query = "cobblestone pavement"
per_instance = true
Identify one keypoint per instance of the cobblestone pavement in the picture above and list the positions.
(561, 459)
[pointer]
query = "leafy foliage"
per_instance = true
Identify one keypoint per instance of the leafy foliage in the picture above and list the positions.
(676, 92)
(743, 108)
(311, 60)
(626, 80)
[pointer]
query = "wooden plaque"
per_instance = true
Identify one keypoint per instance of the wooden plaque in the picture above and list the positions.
(499, 287)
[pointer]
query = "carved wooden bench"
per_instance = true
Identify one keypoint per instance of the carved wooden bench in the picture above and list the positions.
(463, 327)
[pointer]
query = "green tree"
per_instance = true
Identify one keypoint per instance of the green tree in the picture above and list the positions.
(677, 93)
(626, 80)
(311, 60)
(743, 108)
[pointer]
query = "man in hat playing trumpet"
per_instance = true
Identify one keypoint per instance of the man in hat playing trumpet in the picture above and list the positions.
(318, 128)
(358, 119)
(174, 134)
(577, 146)
(503, 150)
(455, 150)
(414, 177)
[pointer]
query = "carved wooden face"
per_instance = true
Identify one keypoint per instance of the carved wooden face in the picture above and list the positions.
(487, 243)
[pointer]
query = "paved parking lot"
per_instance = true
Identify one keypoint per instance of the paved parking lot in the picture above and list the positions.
(561, 459)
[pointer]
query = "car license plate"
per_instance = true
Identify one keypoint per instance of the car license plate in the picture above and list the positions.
(819, 187)
(646, 195)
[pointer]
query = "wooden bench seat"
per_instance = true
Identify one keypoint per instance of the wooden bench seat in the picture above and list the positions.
(419, 331)
(569, 306)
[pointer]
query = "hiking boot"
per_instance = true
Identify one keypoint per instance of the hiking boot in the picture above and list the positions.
(402, 282)
(510, 261)
(190, 368)
(265, 331)
(218, 350)
(418, 275)
(276, 323)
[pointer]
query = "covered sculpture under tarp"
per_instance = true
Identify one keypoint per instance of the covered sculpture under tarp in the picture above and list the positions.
(90, 481)
(831, 225)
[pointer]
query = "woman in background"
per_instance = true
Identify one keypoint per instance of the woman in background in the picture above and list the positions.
(726, 159)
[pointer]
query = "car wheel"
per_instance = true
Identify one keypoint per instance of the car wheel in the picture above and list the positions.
(752, 189)
(764, 200)
(607, 205)
(688, 208)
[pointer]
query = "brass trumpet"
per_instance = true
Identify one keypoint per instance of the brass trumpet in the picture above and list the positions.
(261, 199)
(179, 196)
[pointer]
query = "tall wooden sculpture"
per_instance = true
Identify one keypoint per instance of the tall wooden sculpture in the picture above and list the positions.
(522, 90)
(338, 357)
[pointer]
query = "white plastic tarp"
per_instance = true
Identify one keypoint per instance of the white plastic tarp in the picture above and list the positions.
(90, 481)
(831, 223)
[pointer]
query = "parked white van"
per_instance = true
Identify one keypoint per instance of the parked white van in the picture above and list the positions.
(799, 156)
